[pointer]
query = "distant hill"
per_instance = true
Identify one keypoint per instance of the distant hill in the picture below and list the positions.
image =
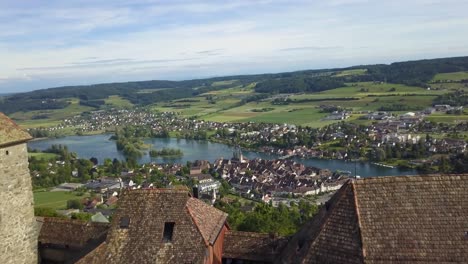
(415, 73)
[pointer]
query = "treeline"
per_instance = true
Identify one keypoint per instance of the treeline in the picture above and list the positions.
(93, 103)
(417, 73)
(165, 152)
(265, 218)
(11, 105)
(49, 172)
(298, 84)
(459, 98)
(128, 140)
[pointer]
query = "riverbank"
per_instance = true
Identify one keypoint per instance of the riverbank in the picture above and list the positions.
(100, 147)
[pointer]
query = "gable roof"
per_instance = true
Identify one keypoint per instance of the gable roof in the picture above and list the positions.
(75, 233)
(388, 219)
(196, 226)
(209, 222)
(11, 133)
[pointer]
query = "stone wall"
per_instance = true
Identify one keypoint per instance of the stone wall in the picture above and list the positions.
(18, 228)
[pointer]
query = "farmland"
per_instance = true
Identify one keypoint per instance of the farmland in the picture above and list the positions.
(295, 97)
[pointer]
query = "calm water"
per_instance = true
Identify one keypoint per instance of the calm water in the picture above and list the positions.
(101, 147)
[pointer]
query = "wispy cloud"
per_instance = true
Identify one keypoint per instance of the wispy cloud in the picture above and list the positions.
(65, 42)
(101, 63)
(314, 48)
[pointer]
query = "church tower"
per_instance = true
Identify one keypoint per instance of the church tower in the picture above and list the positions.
(18, 231)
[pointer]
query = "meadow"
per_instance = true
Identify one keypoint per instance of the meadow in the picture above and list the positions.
(55, 200)
(226, 103)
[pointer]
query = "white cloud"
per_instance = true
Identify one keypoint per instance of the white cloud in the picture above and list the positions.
(97, 41)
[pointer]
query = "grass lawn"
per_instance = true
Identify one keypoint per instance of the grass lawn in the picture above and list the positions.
(43, 156)
(55, 200)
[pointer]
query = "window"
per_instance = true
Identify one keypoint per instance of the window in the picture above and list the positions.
(8, 152)
(168, 231)
(124, 221)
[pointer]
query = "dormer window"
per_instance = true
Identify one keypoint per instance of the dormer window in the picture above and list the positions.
(168, 231)
(124, 222)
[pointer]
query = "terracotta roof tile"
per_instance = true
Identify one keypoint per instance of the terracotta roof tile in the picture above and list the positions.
(11, 133)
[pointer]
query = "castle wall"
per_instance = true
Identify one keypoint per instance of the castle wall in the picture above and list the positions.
(18, 228)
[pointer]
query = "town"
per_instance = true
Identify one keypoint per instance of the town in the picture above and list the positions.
(406, 140)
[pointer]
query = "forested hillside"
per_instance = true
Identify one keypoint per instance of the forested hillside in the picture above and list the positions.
(415, 73)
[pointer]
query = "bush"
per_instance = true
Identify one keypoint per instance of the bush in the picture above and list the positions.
(74, 204)
(81, 216)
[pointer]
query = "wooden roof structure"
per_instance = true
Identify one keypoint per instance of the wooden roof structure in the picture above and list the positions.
(11, 133)
(406, 219)
(196, 225)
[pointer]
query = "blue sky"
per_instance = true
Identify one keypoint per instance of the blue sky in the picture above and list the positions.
(54, 43)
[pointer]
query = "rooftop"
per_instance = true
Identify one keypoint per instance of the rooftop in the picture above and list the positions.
(75, 233)
(142, 238)
(388, 220)
(11, 133)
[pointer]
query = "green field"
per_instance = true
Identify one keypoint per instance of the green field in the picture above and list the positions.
(55, 200)
(54, 117)
(452, 76)
(117, 101)
(443, 118)
(351, 72)
(221, 83)
(370, 96)
(225, 105)
(42, 155)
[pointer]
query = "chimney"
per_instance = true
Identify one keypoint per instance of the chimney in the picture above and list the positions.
(195, 192)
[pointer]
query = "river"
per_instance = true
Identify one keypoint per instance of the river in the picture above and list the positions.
(101, 147)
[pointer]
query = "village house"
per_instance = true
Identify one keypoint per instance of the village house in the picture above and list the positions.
(162, 226)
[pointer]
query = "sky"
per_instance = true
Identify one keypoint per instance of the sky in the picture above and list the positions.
(56, 43)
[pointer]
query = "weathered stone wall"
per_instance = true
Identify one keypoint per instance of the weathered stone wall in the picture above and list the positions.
(18, 228)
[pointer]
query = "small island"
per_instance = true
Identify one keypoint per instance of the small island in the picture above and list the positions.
(166, 152)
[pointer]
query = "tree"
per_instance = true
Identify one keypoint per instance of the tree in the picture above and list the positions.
(74, 204)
